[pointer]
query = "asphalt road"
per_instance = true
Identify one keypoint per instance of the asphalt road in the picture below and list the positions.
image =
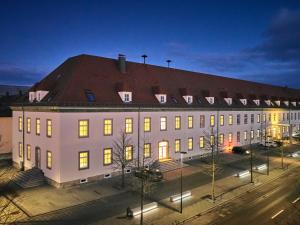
(275, 203)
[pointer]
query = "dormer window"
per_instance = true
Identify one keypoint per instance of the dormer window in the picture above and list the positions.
(90, 96)
(243, 101)
(188, 99)
(126, 96)
(211, 100)
(256, 101)
(162, 98)
(293, 103)
(228, 101)
(31, 96)
(277, 103)
(268, 102)
(37, 95)
(286, 103)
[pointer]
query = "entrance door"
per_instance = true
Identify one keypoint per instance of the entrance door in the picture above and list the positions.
(38, 157)
(163, 150)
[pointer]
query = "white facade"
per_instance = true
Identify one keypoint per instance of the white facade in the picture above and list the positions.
(65, 143)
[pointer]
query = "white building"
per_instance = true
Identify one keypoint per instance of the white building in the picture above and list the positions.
(74, 115)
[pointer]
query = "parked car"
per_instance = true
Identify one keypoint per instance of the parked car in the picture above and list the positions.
(154, 175)
(240, 150)
(271, 144)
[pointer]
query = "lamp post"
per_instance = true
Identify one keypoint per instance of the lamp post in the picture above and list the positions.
(181, 184)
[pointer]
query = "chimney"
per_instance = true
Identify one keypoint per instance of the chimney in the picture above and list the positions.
(122, 63)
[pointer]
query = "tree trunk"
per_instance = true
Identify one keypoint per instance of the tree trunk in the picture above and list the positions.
(123, 176)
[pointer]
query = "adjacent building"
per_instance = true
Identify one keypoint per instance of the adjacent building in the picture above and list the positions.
(74, 116)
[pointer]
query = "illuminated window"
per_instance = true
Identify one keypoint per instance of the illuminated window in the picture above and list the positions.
(107, 156)
(20, 126)
(108, 128)
(83, 128)
(264, 117)
(238, 136)
(147, 124)
(274, 116)
(190, 122)
(177, 122)
(230, 119)
(201, 142)
(238, 119)
(258, 118)
(212, 140)
(49, 128)
(252, 134)
(190, 144)
(28, 123)
(202, 121)
(128, 153)
(230, 137)
(83, 160)
(37, 126)
(270, 117)
(221, 139)
(222, 120)
(147, 150)
(128, 125)
(212, 120)
(245, 135)
(163, 123)
(258, 133)
(28, 152)
(177, 145)
(252, 118)
(49, 159)
(21, 150)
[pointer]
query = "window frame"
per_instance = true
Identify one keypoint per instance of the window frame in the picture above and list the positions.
(88, 128)
(111, 157)
(177, 141)
(111, 127)
(47, 160)
(149, 130)
(38, 125)
(149, 156)
(51, 128)
(28, 146)
(160, 125)
(130, 125)
(88, 160)
(190, 120)
(28, 122)
(179, 122)
(188, 144)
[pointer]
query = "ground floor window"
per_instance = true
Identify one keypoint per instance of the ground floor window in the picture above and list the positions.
(177, 145)
(21, 150)
(83, 160)
(107, 156)
(190, 144)
(201, 142)
(49, 159)
(147, 150)
(28, 152)
(128, 153)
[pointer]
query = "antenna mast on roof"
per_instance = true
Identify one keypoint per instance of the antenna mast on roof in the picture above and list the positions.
(168, 61)
(144, 56)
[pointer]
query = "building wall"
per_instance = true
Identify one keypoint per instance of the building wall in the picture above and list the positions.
(65, 143)
(5, 135)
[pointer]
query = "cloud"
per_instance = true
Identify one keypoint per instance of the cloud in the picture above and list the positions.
(13, 75)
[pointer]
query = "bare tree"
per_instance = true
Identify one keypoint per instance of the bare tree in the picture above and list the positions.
(123, 153)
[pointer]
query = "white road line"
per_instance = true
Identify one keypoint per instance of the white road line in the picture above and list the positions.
(296, 200)
(277, 214)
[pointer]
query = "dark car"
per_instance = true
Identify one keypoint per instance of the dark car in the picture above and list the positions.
(154, 175)
(240, 150)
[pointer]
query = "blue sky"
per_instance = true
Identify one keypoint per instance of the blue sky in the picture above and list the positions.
(252, 40)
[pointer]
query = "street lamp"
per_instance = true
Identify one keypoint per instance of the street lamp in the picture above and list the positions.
(181, 188)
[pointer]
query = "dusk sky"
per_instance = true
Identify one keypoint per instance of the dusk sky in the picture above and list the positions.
(252, 40)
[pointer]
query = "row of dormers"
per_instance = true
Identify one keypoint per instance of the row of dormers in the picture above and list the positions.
(37, 95)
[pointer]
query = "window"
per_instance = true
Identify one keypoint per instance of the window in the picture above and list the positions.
(28, 123)
(189, 99)
(163, 123)
(28, 152)
(202, 121)
(147, 150)
(107, 156)
(230, 119)
(245, 118)
(221, 139)
(128, 125)
(20, 125)
(238, 119)
(49, 159)
(37, 126)
(283, 116)
(264, 117)
(162, 99)
(258, 133)
(230, 137)
(238, 136)
(252, 134)
(177, 122)
(245, 135)
(90, 96)
(174, 100)
(177, 145)
(212, 140)
(83, 128)
(190, 144)
(212, 120)
(270, 117)
(21, 150)
(49, 128)
(258, 118)
(128, 153)
(190, 122)
(83, 160)
(147, 124)
(222, 120)
(201, 142)
(108, 127)
(252, 118)
(126, 97)
(274, 117)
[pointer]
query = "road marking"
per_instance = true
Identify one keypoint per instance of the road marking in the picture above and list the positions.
(277, 214)
(296, 200)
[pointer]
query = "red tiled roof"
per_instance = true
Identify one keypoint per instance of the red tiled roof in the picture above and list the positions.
(67, 83)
